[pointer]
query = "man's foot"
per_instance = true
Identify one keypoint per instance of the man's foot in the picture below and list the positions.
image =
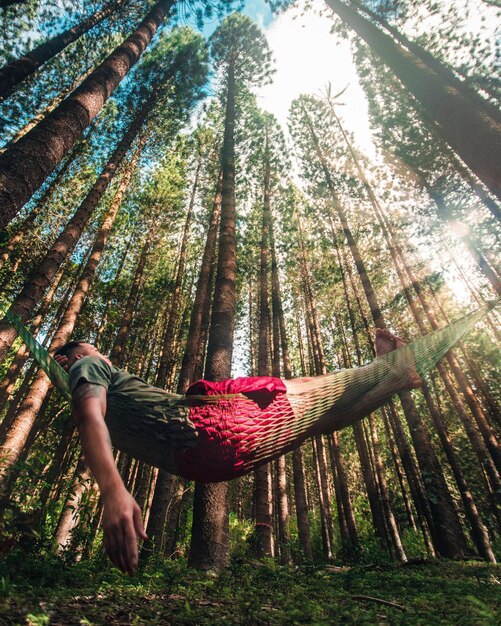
(387, 342)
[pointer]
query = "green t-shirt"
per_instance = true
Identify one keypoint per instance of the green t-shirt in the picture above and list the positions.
(137, 413)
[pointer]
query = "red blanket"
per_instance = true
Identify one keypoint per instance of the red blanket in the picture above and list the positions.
(232, 429)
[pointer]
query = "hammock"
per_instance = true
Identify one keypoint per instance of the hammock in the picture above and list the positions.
(245, 423)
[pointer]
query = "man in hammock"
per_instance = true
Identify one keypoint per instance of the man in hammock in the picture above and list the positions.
(217, 431)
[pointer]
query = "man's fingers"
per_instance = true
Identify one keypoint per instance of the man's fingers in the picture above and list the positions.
(115, 542)
(138, 524)
(129, 547)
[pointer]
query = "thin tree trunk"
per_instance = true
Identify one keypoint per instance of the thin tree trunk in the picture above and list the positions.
(202, 296)
(17, 71)
(262, 476)
(448, 537)
(479, 535)
(167, 358)
(117, 351)
(394, 535)
(70, 516)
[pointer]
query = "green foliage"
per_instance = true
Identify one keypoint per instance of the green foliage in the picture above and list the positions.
(238, 42)
(249, 594)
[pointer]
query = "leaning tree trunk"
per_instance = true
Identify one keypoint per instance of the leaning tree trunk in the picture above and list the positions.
(25, 166)
(448, 535)
(442, 70)
(470, 132)
(17, 71)
(27, 413)
(210, 531)
(41, 278)
(479, 534)
(55, 102)
(26, 226)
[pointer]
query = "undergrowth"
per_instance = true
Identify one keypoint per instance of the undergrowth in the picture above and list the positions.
(51, 592)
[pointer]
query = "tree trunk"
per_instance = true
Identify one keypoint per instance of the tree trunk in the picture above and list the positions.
(19, 431)
(70, 516)
(470, 132)
(167, 359)
(210, 531)
(116, 354)
(323, 499)
(27, 164)
(280, 342)
(104, 318)
(344, 494)
(303, 522)
(391, 524)
(41, 278)
(26, 226)
(262, 476)
(449, 538)
(46, 110)
(478, 532)
(9, 381)
(17, 71)
(443, 71)
(202, 295)
(162, 498)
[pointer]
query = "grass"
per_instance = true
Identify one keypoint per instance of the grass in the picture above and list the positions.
(50, 592)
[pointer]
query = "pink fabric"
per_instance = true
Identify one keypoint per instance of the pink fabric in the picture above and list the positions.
(230, 429)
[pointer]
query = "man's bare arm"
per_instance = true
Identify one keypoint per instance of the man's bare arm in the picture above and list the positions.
(122, 520)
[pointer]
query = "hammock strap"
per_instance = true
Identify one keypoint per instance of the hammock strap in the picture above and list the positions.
(55, 372)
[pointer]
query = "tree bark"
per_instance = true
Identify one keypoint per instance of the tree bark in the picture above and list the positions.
(202, 295)
(20, 429)
(17, 71)
(210, 531)
(25, 166)
(262, 476)
(116, 354)
(167, 359)
(448, 535)
(41, 277)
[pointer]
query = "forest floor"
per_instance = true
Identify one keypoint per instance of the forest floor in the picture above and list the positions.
(50, 592)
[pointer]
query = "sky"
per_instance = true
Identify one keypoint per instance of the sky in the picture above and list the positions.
(307, 58)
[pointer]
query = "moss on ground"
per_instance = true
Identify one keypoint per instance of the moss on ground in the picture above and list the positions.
(443, 592)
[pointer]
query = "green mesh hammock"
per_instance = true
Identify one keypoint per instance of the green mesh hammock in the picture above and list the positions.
(238, 436)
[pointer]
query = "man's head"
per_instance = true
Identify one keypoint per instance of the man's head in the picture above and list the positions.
(72, 351)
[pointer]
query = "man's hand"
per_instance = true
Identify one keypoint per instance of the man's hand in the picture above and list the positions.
(122, 525)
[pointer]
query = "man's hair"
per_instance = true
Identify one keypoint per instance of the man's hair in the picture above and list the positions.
(70, 347)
